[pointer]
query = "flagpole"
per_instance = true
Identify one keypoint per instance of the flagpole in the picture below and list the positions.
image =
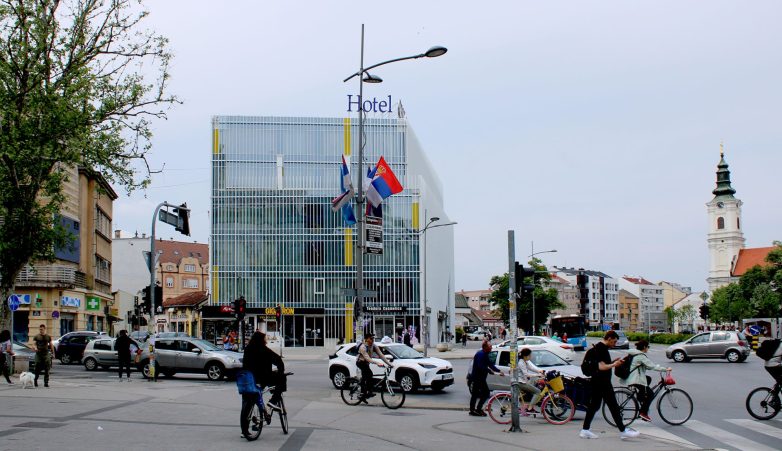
(358, 308)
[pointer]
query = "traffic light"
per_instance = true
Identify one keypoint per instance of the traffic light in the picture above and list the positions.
(158, 299)
(240, 307)
(183, 223)
(278, 312)
(145, 300)
(704, 309)
(522, 273)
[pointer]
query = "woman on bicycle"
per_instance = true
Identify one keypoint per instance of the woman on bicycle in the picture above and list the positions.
(529, 374)
(258, 359)
(641, 363)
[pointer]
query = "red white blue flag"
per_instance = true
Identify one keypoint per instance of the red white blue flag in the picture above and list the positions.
(343, 200)
(381, 183)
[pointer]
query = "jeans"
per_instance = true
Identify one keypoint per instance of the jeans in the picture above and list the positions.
(775, 372)
(480, 393)
(535, 391)
(5, 362)
(603, 392)
(124, 362)
(366, 377)
(644, 397)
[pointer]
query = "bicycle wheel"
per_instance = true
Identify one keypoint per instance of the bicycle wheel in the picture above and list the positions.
(499, 407)
(674, 406)
(558, 408)
(763, 404)
(628, 407)
(283, 417)
(251, 419)
(392, 395)
(351, 392)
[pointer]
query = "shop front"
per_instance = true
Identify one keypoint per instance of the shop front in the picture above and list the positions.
(216, 322)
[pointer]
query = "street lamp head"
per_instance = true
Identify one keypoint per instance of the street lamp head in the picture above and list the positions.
(435, 51)
(434, 218)
(369, 78)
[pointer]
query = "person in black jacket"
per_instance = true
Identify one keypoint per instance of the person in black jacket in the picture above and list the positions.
(481, 367)
(122, 346)
(259, 359)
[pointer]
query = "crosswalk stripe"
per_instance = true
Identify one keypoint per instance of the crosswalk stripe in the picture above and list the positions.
(757, 426)
(656, 431)
(726, 437)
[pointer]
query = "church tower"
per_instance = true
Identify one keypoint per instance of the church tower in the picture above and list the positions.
(725, 236)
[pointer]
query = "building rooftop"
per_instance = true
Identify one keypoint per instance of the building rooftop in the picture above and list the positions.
(750, 257)
(175, 251)
(588, 272)
(627, 294)
(637, 280)
(187, 300)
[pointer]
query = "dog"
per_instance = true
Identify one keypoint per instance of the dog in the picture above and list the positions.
(27, 379)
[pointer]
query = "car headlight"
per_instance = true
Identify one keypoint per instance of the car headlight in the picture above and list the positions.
(428, 366)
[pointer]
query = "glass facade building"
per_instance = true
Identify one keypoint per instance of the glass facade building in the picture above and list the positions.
(276, 241)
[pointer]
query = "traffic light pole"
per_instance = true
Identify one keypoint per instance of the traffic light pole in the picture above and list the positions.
(514, 343)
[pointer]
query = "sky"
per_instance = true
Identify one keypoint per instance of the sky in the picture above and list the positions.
(589, 127)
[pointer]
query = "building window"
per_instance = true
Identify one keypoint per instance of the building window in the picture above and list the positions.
(738, 223)
(320, 286)
(102, 223)
(190, 283)
(170, 268)
(720, 223)
(102, 269)
(90, 322)
(189, 268)
(170, 282)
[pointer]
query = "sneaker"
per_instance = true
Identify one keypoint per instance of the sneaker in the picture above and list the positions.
(46, 385)
(586, 433)
(481, 413)
(629, 433)
(36, 382)
(474, 413)
(644, 417)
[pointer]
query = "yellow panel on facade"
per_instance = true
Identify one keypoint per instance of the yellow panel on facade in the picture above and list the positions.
(215, 283)
(348, 247)
(346, 135)
(348, 322)
(415, 215)
(216, 141)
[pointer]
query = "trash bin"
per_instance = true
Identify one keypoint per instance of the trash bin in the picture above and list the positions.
(21, 364)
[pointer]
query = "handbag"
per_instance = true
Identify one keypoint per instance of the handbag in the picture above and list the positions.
(668, 379)
(245, 383)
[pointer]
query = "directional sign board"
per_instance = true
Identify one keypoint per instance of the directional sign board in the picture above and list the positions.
(13, 303)
(374, 232)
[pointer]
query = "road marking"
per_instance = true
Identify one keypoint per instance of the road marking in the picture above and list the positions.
(726, 437)
(658, 432)
(757, 426)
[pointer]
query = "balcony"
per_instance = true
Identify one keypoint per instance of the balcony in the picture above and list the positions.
(51, 276)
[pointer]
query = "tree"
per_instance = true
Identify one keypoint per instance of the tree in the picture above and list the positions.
(80, 82)
(728, 304)
(687, 314)
(546, 299)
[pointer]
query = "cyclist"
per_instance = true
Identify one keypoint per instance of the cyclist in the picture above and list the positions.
(638, 376)
(530, 373)
(481, 367)
(774, 365)
(258, 359)
(365, 351)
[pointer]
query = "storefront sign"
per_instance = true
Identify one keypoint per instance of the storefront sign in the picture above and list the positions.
(161, 321)
(273, 311)
(369, 106)
(93, 303)
(68, 301)
(374, 235)
(226, 309)
(385, 309)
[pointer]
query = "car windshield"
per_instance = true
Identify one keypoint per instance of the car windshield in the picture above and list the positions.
(205, 345)
(403, 352)
(544, 359)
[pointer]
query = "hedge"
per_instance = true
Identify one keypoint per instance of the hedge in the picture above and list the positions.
(666, 339)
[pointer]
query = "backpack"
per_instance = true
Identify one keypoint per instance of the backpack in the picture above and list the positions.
(623, 370)
(590, 365)
(767, 348)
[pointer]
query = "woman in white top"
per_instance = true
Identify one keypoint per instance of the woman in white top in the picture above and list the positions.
(6, 352)
(528, 374)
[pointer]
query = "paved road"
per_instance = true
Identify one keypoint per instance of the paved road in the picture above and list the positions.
(717, 388)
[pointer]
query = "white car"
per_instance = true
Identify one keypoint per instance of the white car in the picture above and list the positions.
(411, 369)
(564, 350)
(542, 358)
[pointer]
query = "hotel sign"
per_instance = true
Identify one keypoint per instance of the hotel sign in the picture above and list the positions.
(369, 106)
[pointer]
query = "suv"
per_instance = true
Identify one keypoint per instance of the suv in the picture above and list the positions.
(719, 344)
(190, 355)
(70, 347)
(411, 369)
(102, 352)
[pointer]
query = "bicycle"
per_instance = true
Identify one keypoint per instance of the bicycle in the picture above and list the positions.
(767, 403)
(556, 407)
(674, 406)
(255, 412)
(390, 392)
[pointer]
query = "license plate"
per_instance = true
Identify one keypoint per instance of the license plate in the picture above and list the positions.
(447, 376)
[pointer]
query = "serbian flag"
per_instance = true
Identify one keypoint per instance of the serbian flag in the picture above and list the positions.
(342, 202)
(383, 183)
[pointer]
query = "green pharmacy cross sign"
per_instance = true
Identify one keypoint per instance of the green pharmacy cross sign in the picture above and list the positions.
(93, 303)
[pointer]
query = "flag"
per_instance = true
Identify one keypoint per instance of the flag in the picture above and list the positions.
(383, 183)
(342, 202)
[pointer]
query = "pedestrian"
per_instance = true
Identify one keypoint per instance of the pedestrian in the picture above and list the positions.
(43, 358)
(6, 355)
(555, 337)
(122, 345)
(464, 339)
(564, 337)
(599, 359)
(481, 367)
(406, 339)
(637, 377)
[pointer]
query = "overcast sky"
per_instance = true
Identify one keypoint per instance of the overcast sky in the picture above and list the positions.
(590, 127)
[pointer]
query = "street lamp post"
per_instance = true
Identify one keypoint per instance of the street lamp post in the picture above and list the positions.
(364, 76)
(424, 317)
(532, 254)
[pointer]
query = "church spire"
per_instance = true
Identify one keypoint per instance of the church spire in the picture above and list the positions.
(723, 190)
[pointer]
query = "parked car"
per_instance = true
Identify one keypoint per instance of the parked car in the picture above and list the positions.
(622, 342)
(139, 335)
(170, 334)
(476, 336)
(720, 344)
(542, 358)
(102, 352)
(411, 369)
(70, 347)
(21, 349)
(564, 350)
(190, 355)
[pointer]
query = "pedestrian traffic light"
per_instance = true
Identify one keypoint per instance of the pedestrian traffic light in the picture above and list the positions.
(183, 222)
(240, 307)
(278, 312)
(158, 299)
(521, 273)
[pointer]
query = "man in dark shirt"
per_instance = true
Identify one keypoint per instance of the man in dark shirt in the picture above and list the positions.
(43, 360)
(602, 390)
(122, 346)
(481, 367)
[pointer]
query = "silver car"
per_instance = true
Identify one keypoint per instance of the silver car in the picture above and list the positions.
(719, 344)
(102, 352)
(190, 355)
(545, 360)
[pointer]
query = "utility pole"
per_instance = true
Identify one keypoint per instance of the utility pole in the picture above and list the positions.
(514, 346)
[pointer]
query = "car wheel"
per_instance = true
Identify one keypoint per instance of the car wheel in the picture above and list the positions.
(679, 356)
(733, 356)
(90, 364)
(215, 371)
(408, 381)
(66, 359)
(145, 368)
(338, 377)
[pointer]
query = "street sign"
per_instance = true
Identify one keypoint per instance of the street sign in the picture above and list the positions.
(146, 259)
(169, 218)
(704, 296)
(13, 303)
(354, 292)
(374, 234)
(55, 314)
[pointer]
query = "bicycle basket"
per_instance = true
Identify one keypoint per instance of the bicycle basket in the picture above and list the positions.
(668, 379)
(556, 384)
(245, 382)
